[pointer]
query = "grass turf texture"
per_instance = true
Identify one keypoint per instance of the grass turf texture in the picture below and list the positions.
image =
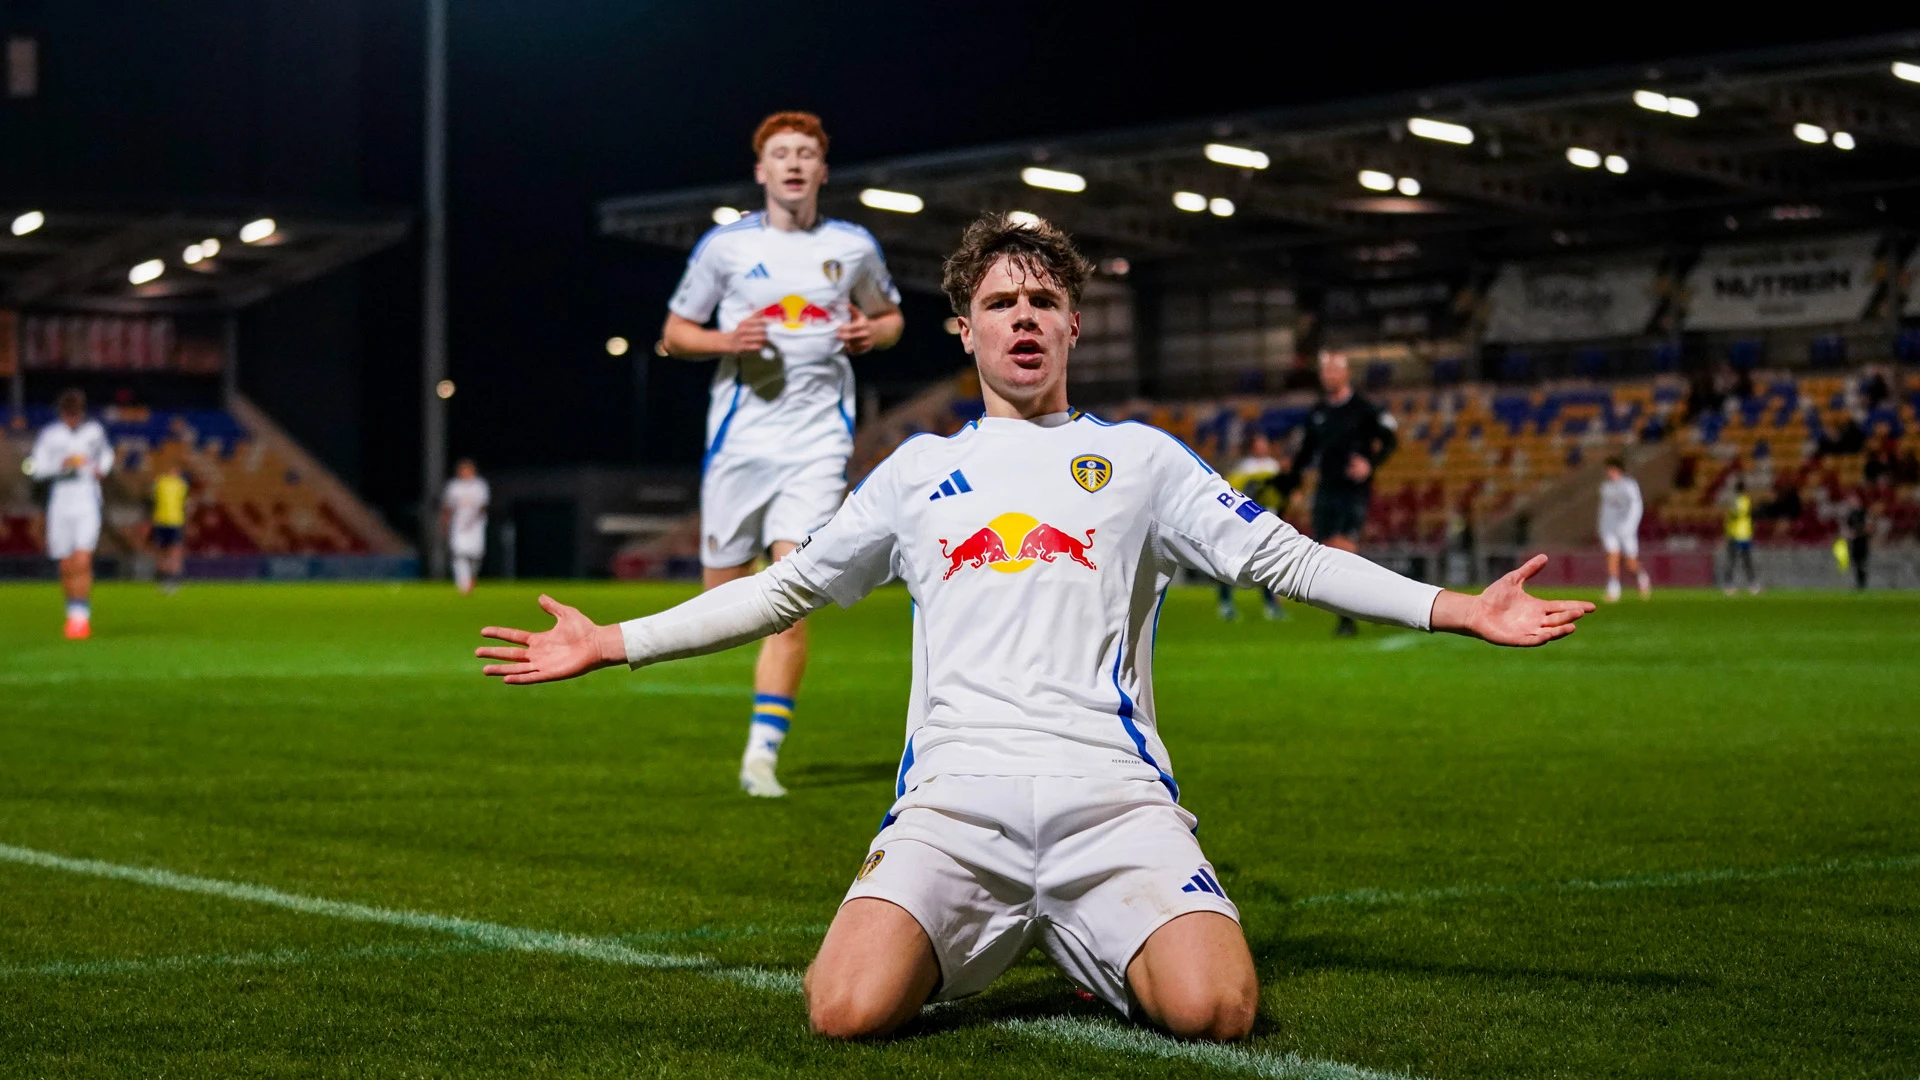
(1683, 843)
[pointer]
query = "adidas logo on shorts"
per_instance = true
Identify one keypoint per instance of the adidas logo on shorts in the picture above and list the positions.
(1203, 882)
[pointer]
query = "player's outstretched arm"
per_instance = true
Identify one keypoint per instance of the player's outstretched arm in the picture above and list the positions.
(575, 646)
(1505, 614)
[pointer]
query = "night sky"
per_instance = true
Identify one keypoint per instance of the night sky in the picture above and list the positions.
(559, 103)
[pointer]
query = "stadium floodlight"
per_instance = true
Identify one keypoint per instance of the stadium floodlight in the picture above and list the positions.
(1616, 164)
(1237, 156)
(1440, 130)
(1408, 186)
(1023, 217)
(146, 271)
(1843, 141)
(255, 231)
(1220, 207)
(1583, 157)
(1810, 133)
(725, 215)
(443, 389)
(193, 254)
(210, 247)
(28, 222)
(1191, 201)
(899, 202)
(1687, 107)
(1652, 100)
(617, 346)
(1053, 179)
(1375, 180)
(1904, 70)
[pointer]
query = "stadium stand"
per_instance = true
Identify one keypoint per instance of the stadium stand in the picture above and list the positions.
(256, 492)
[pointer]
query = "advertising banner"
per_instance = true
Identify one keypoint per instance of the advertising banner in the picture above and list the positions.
(1801, 283)
(1532, 303)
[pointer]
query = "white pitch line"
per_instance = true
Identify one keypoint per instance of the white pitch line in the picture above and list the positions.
(1100, 1036)
(62, 969)
(1675, 879)
(494, 934)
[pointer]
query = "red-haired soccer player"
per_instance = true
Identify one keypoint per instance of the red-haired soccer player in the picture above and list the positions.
(796, 294)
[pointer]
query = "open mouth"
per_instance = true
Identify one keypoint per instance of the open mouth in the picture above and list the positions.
(1027, 352)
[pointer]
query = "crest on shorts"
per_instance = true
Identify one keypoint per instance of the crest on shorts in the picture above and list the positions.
(868, 867)
(1091, 471)
(832, 269)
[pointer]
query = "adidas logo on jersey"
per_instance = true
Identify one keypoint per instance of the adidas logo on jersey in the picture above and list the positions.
(954, 484)
(759, 271)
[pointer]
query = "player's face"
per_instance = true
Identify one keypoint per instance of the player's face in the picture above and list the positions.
(1613, 473)
(1019, 328)
(791, 168)
(466, 471)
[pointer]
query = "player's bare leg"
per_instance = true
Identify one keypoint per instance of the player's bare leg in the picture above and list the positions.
(76, 583)
(776, 686)
(1640, 578)
(1194, 977)
(1346, 627)
(1613, 575)
(875, 969)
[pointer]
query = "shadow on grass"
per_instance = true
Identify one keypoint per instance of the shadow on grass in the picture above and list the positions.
(1278, 955)
(840, 773)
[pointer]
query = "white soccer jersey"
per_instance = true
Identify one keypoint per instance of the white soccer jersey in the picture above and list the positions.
(76, 484)
(1037, 554)
(796, 404)
(1620, 506)
(466, 500)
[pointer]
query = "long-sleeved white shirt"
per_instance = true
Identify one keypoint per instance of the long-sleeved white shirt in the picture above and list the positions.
(1038, 554)
(1620, 505)
(76, 484)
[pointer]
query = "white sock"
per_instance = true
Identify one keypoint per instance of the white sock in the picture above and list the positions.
(79, 611)
(1641, 579)
(463, 571)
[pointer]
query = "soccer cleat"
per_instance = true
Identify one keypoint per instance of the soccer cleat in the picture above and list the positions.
(79, 629)
(1276, 613)
(1613, 590)
(1346, 628)
(757, 779)
(1228, 612)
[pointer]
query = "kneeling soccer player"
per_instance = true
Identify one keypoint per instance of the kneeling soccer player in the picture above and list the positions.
(1035, 801)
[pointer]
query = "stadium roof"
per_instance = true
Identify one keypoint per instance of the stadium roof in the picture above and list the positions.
(86, 259)
(1679, 152)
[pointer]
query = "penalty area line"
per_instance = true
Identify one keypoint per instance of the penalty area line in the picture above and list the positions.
(1097, 1035)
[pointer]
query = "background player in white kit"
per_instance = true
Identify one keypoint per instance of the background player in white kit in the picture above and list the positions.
(1620, 510)
(797, 294)
(463, 518)
(1035, 803)
(73, 453)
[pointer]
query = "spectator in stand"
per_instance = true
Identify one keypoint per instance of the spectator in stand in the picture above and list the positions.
(1702, 397)
(1654, 431)
(1874, 388)
(1786, 506)
(1850, 439)
(1882, 462)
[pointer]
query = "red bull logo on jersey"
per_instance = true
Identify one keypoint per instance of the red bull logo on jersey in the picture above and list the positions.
(797, 312)
(1012, 542)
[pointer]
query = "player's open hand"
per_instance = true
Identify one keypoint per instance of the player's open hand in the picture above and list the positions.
(856, 333)
(572, 648)
(1505, 615)
(749, 336)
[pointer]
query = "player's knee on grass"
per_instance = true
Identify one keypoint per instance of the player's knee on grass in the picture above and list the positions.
(875, 969)
(1195, 978)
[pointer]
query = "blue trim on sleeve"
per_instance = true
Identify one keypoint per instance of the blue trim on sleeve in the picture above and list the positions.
(883, 461)
(1133, 730)
(747, 221)
(720, 436)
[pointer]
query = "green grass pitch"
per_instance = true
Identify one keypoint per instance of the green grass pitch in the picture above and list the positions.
(1685, 843)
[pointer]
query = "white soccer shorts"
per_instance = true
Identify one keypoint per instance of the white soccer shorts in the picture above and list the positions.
(746, 504)
(468, 543)
(72, 530)
(1621, 542)
(1086, 868)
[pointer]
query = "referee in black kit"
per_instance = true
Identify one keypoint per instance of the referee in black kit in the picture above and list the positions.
(1349, 437)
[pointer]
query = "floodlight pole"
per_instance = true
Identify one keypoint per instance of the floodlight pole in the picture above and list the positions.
(433, 316)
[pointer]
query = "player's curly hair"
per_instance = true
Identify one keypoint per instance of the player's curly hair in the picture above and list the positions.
(803, 122)
(1040, 248)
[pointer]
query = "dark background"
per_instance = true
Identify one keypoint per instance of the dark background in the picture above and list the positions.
(558, 103)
